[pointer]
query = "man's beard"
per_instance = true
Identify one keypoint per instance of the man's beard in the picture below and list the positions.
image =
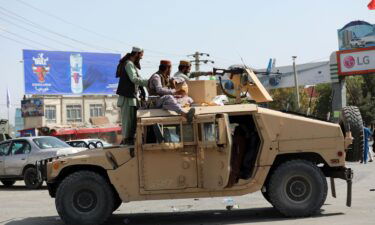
(137, 63)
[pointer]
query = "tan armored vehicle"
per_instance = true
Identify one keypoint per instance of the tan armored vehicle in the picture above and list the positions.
(228, 150)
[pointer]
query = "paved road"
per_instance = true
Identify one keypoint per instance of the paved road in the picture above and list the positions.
(19, 206)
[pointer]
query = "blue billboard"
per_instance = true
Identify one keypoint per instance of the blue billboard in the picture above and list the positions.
(69, 73)
(356, 34)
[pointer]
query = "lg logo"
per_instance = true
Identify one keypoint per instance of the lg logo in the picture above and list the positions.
(350, 61)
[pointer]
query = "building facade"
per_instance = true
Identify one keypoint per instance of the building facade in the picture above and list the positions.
(74, 111)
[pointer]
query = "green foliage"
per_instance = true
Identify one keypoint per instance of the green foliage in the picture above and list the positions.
(323, 102)
(361, 93)
(284, 99)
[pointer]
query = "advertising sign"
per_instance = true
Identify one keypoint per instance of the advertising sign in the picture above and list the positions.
(359, 61)
(69, 73)
(356, 34)
(32, 107)
(308, 74)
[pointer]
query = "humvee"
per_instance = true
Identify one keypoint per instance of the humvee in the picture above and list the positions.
(228, 150)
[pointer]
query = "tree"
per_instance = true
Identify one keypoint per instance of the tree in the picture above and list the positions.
(361, 93)
(323, 103)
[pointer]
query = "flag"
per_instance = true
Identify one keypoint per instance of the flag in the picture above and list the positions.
(8, 98)
(371, 5)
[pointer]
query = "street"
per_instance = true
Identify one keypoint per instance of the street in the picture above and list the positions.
(20, 206)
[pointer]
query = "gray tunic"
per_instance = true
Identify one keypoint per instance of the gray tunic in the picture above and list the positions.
(166, 100)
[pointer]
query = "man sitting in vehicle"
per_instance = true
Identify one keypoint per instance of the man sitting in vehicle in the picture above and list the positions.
(160, 85)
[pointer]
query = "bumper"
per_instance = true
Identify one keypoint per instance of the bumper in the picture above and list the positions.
(41, 168)
(345, 174)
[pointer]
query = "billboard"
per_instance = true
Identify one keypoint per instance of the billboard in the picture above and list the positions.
(308, 74)
(356, 34)
(69, 73)
(358, 61)
(32, 107)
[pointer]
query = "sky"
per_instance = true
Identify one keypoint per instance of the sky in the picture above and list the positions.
(253, 30)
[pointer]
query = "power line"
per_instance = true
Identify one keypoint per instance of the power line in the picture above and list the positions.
(90, 31)
(19, 42)
(40, 27)
(36, 33)
(19, 36)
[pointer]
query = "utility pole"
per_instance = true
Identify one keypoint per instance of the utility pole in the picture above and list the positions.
(197, 60)
(296, 80)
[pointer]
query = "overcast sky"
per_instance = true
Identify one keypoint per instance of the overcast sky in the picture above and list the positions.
(228, 30)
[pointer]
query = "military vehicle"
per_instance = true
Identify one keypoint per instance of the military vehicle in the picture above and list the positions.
(228, 150)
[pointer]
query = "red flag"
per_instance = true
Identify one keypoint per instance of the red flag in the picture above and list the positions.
(371, 5)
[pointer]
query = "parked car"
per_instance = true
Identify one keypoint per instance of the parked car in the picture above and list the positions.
(88, 143)
(18, 157)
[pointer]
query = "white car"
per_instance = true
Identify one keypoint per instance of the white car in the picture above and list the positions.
(18, 157)
(89, 143)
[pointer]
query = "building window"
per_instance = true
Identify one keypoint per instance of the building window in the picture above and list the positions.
(74, 113)
(96, 110)
(50, 113)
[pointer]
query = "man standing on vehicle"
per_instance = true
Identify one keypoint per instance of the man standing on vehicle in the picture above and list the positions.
(159, 85)
(184, 71)
(128, 87)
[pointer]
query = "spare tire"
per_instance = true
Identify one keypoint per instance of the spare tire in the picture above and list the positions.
(351, 120)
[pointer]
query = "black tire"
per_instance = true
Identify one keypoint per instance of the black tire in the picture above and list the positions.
(297, 188)
(116, 202)
(266, 196)
(351, 119)
(8, 183)
(31, 179)
(84, 197)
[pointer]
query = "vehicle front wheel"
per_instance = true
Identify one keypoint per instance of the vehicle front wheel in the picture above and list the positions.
(84, 197)
(31, 178)
(8, 183)
(297, 188)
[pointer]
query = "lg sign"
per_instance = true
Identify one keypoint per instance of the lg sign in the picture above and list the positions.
(359, 61)
(350, 61)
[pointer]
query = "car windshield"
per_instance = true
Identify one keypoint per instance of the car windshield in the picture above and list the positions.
(50, 142)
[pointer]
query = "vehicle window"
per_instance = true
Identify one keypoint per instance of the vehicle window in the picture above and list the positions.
(4, 148)
(210, 132)
(50, 142)
(20, 147)
(170, 132)
(78, 144)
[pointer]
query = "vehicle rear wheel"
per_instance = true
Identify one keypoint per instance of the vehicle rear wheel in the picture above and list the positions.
(84, 197)
(31, 179)
(297, 188)
(8, 183)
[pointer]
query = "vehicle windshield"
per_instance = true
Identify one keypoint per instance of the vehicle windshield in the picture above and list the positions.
(50, 142)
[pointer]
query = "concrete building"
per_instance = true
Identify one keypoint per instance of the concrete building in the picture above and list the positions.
(74, 111)
(18, 122)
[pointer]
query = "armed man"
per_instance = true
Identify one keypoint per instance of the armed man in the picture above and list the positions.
(160, 85)
(128, 89)
(184, 71)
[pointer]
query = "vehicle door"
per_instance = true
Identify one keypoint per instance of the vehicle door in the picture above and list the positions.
(4, 149)
(16, 159)
(168, 157)
(214, 151)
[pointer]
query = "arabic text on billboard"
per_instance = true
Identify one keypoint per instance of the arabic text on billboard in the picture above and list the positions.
(356, 34)
(69, 73)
